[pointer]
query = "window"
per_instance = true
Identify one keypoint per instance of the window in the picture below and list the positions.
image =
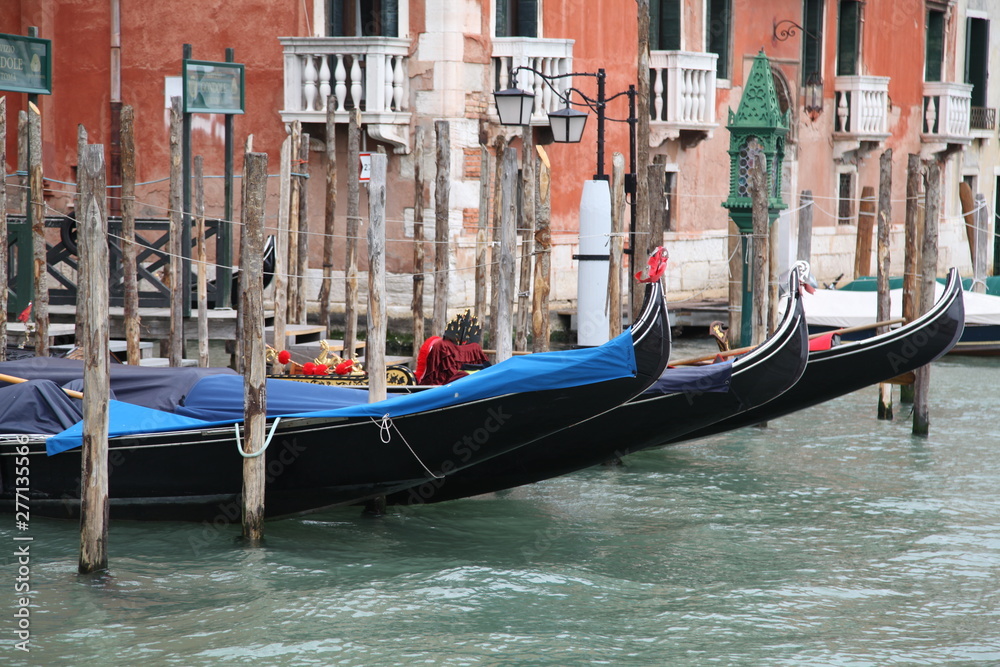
(670, 185)
(517, 18)
(977, 55)
(812, 40)
(934, 56)
(845, 199)
(848, 37)
(364, 18)
(718, 26)
(665, 25)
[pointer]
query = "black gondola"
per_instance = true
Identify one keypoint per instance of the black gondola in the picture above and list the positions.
(851, 366)
(320, 459)
(682, 400)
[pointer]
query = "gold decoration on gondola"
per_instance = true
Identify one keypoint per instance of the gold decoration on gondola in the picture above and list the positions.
(331, 368)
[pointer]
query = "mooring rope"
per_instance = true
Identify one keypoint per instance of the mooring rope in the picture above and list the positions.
(267, 440)
(386, 437)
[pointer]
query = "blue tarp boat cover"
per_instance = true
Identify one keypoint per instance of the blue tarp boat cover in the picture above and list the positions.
(534, 372)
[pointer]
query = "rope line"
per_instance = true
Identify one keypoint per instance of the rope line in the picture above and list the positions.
(384, 424)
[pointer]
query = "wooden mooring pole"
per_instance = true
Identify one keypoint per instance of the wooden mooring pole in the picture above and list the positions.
(442, 256)
(82, 301)
(254, 387)
(330, 215)
(282, 242)
(617, 242)
(501, 146)
(982, 240)
(175, 344)
(526, 229)
(37, 189)
(130, 269)
(760, 251)
(351, 243)
(92, 232)
(505, 257)
(928, 277)
(375, 347)
(417, 303)
(866, 226)
(302, 265)
(911, 253)
(3, 225)
(540, 324)
(482, 245)
(202, 282)
(882, 266)
(294, 195)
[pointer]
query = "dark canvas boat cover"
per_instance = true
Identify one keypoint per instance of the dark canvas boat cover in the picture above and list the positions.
(692, 379)
(37, 406)
(534, 372)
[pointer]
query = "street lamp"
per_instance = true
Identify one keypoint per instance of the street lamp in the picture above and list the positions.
(567, 125)
(514, 105)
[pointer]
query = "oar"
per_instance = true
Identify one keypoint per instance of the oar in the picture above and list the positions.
(741, 350)
(16, 380)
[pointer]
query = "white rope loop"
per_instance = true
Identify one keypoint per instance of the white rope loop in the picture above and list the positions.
(384, 424)
(267, 441)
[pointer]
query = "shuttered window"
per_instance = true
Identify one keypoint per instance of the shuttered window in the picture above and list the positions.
(812, 40)
(364, 18)
(665, 25)
(848, 37)
(718, 26)
(517, 18)
(977, 56)
(934, 57)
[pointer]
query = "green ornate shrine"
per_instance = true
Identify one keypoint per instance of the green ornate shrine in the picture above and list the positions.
(758, 117)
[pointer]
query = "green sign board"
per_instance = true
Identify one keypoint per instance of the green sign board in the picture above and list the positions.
(25, 64)
(213, 87)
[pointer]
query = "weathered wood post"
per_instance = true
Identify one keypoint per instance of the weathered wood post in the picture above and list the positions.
(442, 188)
(82, 301)
(175, 349)
(281, 250)
(866, 226)
(202, 282)
(41, 272)
(508, 244)
(481, 230)
(617, 243)
(803, 251)
(254, 386)
(417, 303)
(882, 266)
(968, 202)
(302, 267)
(734, 248)
(761, 236)
(911, 253)
(495, 242)
(241, 332)
(3, 225)
(129, 250)
(928, 276)
(375, 347)
(330, 214)
(92, 231)
(982, 240)
(527, 231)
(294, 192)
(642, 239)
(540, 324)
(353, 224)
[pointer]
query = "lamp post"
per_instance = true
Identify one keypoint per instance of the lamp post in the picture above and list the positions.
(514, 107)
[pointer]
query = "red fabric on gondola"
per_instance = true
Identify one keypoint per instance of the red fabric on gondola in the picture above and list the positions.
(824, 342)
(446, 358)
(422, 357)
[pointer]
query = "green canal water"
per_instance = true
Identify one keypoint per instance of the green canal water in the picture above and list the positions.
(827, 538)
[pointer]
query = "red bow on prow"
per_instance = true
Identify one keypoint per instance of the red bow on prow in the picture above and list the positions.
(25, 314)
(656, 265)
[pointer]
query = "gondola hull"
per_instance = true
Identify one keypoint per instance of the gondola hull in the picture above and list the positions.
(313, 463)
(651, 419)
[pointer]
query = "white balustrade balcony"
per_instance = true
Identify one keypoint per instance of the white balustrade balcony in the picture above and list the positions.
(947, 112)
(862, 109)
(682, 95)
(366, 73)
(551, 57)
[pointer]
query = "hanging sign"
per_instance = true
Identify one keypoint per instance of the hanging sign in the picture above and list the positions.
(25, 64)
(213, 87)
(366, 167)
